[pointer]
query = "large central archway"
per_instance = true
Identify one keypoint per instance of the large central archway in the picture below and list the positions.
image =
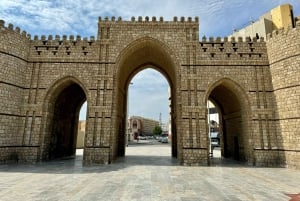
(143, 53)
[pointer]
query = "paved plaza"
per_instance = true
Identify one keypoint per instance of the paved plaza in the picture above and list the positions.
(147, 173)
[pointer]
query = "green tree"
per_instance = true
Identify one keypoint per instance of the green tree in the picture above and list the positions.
(157, 130)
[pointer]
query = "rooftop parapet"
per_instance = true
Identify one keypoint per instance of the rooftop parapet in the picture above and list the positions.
(153, 19)
(282, 31)
(14, 41)
(232, 40)
(11, 28)
(57, 38)
(233, 48)
(17, 30)
(63, 48)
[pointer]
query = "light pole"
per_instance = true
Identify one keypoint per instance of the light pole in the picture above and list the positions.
(209, 134)
(127, 115)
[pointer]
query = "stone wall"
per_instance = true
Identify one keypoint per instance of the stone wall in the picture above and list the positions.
(284, 55)
(14, 47)
(243, 68)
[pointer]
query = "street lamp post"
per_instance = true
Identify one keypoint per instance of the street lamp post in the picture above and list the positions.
(127, 115)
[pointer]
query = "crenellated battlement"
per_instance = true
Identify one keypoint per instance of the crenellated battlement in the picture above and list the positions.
(147, 19)
(57, 47)
(233, 48)
(282, 32)
(64, 38)
(64, 47)
(140, 24)
(232, 40)
(13, 41)
(283, 43)
(10, 28)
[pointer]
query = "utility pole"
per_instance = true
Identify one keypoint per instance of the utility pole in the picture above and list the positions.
(160, 122)
(128, 131)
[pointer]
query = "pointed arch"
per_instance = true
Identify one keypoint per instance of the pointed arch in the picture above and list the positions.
(142, 53)
(237, 88)
(61, 108)
(146, 51)
(234, 106)
(58, 85)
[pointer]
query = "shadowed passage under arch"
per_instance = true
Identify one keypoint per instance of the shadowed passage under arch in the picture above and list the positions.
(231, 104)
(61, 133)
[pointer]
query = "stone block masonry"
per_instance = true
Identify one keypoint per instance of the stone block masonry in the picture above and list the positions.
(283, 52)
(44, 81)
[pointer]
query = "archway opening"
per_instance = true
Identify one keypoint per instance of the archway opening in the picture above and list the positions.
(232, 131)
(214, 130)
(143, 53)
(81, 131)
(61, 140)
(148, 115)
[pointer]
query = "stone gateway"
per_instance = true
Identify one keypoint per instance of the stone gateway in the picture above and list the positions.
(254, 84)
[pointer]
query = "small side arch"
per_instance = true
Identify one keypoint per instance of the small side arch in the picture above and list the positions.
(61, 108)
(230, 84)
(234, 111)
(58, 85)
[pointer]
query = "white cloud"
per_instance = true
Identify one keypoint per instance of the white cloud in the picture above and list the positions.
(217, 17)
(148, 95)
(79, 17)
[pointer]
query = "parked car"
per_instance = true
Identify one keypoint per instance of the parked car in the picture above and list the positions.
(149, 137)
(141, 137)
(215, 139)
(164, 139)
(158, 138)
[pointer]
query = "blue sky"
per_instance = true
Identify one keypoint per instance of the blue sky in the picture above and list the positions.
(79, 17)
(148, 95)
(74, 17)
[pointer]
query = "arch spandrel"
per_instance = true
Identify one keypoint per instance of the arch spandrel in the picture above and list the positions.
(240, 92)
(60, 84)
(147, 51)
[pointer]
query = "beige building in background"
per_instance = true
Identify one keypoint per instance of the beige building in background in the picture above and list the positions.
(283, 17)
(140, 126)
(278, 18)
(81, 134)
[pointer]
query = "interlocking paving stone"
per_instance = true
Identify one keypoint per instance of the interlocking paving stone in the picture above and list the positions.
(147, 173)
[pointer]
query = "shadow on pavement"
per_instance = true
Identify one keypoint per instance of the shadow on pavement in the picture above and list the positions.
(137, 154)
(133, 160)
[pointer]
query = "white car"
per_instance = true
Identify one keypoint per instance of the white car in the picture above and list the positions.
(164, 139)
(215, 139)
(142, 137)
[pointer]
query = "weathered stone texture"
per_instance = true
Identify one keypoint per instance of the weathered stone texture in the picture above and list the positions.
(45, 80)
(283, 51)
